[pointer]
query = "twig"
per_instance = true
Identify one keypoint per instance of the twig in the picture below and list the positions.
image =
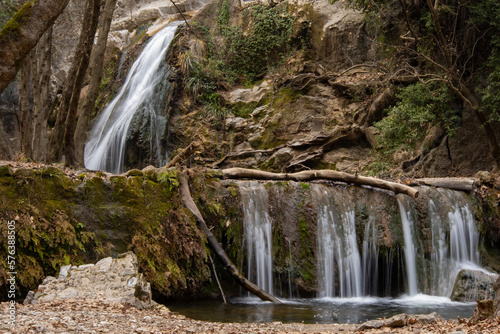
(217, 279)
(184, 18)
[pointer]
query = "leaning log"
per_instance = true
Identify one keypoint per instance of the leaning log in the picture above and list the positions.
(456, 183)
(216, 247)
(311, 175)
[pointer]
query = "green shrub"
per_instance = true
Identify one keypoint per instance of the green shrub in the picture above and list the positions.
(418, 106)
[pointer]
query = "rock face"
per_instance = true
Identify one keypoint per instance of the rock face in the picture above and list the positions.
(111, 280)
(474, 285)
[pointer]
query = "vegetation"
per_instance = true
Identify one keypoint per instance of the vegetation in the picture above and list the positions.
(444, 41)
(418, 107)
(230, 54)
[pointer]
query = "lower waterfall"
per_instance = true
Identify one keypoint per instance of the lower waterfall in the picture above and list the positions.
(409, 247)
(338, 254)
(367, 242)
(258, 235)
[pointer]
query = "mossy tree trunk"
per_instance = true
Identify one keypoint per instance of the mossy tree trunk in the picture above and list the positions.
(22, 33)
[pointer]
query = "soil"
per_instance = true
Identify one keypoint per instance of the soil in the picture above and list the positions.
(95, 316)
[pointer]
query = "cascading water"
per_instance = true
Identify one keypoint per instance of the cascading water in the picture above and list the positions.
(368, 243)
(258, 234)
(136, 113)
(338, 253)
(455, 239)
(409, 247)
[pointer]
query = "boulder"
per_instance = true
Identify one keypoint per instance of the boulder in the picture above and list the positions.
(472, 285)
(112, 280)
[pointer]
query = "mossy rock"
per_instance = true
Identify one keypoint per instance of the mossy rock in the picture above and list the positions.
(50, 171)
(135, 172)
(24, 173)
(151, 175)
(4, 170)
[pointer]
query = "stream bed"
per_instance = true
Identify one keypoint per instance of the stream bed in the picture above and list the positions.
(320, 310)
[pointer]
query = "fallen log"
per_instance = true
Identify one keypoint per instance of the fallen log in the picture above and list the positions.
(187, 200)
(463, 184)
(310, 175)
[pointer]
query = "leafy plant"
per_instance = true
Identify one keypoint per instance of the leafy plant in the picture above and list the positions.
(170, 178)
(418, 106)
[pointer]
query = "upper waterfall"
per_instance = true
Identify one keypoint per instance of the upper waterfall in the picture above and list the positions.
(136, 114)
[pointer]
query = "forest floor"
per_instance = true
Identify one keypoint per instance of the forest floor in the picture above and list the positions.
(88, 316)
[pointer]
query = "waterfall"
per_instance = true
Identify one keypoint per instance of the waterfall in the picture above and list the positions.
(409, 247)
(455, 239)
(370, 258)
(134, 117)
(366, 242)
(258, 234)
(338, 253)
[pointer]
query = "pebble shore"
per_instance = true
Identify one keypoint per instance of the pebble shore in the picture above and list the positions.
(95, 316)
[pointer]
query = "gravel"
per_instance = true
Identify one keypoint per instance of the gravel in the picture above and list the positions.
(94, 316)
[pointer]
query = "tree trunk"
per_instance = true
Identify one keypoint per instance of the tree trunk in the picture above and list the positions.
(41, 69)
(70, 123)
(458, 183)
(22, 33)
(216, 247)
(310, 175)
(57, 135)
(96, 65)
(25, 121)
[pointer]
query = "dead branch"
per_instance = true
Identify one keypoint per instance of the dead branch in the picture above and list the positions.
(311, 175)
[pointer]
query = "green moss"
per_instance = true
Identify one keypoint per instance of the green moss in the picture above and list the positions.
(285, 96)
(4, 170)
(14, 25)
(50, 171)
(244, 109)
(135, 172)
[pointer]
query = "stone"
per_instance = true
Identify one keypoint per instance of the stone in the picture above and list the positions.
(249, 95)
(398, 320)
(113, 280)
(237, 123)
(472, 285)
(425, 318)
(103, 265)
